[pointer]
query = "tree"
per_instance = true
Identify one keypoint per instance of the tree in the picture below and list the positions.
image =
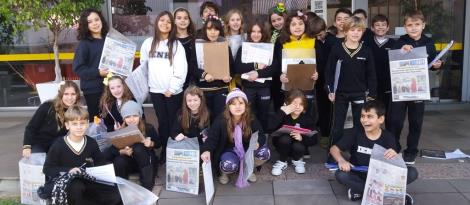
(56, 15)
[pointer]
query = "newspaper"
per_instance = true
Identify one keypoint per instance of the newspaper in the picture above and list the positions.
(257, 53)
(409, 75)
(386, 179)
(31, 178)
(137, 82)
(182, 166)
(118, 53)
(444, 51)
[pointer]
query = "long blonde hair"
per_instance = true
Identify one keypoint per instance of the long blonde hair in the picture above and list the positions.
(227, 20)
(59, 106)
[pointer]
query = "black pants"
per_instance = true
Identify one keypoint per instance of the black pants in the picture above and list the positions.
(91, 193)
(340, 110)
(142, 160)
(386, 99)
(276, 93)
(93, 104)
(396, 118)
(324, 112)
(215, 100)
(165, 109)
(289, 147)
(259, 99)
(356, 181)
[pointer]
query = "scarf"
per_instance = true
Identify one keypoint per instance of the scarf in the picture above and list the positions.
(240, 151)
(61, 183)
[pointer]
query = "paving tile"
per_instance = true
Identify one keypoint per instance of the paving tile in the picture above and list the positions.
(462, 185)
(440, 199)
(185, 201)
(327, 199)
(338, 189)
(466, 195)
(259, 188)
(165, 194)
(302, 187)
(431, 186)
(244, 200)
(345, 201)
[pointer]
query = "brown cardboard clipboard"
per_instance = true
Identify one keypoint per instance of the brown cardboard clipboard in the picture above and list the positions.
(299, 76)
(125, 137)
(216, 59)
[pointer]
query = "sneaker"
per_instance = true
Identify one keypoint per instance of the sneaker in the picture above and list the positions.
(409, 159)
(299, 166)
(408, 199)
(223, 179)
(278, 167)
(252, 178)
(353, 196)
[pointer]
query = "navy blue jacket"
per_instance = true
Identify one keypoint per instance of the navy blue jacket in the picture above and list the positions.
(85, 65)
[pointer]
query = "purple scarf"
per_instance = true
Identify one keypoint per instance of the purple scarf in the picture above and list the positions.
(240, 151)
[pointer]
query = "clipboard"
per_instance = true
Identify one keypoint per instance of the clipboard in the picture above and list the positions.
(299, 76)
(125, 137)
(216, 59)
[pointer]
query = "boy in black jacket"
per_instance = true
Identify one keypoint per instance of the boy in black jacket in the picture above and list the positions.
(356, 77)
(380, 44)
(360, 147)
(414, 26)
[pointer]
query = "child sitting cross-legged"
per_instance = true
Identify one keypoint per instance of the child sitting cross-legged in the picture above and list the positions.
(360, 148)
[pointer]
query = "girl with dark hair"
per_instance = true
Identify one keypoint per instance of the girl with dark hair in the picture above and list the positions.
(186, 34)
(229, 138)
(294, 144)
(115, 94)
(167, 69)
(47, 123)
(259, 76)
(215, 90)
(208, 8)
(92, 31)
(193, 118)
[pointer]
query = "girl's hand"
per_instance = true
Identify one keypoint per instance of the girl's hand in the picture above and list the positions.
(75, 170)
(296, 136)
(26, 153)
(407, 48)
(315, 76)
(147, 142)
(206, 156)
(180, 137)
(126, 151)
(104, 72)
(283, 78)
(252, 76)
(437, 64)
(226, 79)
(209, 78)
(168, 93)
(390, 153)
(288, 109)
(332, 97)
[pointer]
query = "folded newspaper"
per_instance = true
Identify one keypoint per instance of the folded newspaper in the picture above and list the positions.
(441, 154)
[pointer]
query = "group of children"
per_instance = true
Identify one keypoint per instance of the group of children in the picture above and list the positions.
(189, 102)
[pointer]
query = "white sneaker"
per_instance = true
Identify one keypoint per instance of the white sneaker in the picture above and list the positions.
(299, 166)
(278, 167)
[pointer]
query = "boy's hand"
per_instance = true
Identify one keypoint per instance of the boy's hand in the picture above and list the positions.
(75, 170)
(407, 48)
(332, 97)
(206, 156)
(283, 78)
(180, 137)
(437, 64)
(314, 76)
(344, 166)
(296, 136)
(390, 153)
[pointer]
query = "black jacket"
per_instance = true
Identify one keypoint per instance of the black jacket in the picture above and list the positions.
(382, 63)
(85, 65)
(43, 127)
(190, 50)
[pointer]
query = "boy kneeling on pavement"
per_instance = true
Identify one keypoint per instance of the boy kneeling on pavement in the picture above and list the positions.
(360, 147)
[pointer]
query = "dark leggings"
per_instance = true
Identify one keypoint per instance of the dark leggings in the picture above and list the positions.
(93, 104)
(215, 100)
(92, 193)
(259, 99)
(289, 147)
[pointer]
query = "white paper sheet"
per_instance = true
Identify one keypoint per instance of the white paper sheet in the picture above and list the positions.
(257, 53)
(444, 51)
(103, 173)
(208, 182)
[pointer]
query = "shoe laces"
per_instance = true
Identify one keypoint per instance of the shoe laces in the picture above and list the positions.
(279, 164)
(298, 163)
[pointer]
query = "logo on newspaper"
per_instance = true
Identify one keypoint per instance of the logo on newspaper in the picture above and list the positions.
(364, 150)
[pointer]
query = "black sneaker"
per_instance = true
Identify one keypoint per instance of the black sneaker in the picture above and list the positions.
(408, 199)
(353, 196)
(409, 159)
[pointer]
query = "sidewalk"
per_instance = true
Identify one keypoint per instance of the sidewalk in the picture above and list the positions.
(440, 182)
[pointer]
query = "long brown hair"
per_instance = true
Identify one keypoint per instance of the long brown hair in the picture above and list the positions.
(59, 106)
(245, 120)
(257, 22)
(107, 99)
(202, 114)
(285, 35)
(191, 28)
(171, 36)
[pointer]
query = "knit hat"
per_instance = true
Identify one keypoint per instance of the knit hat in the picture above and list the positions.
(234, 94)
(131, 108)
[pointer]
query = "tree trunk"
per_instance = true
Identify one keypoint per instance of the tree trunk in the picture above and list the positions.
(58, 73)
